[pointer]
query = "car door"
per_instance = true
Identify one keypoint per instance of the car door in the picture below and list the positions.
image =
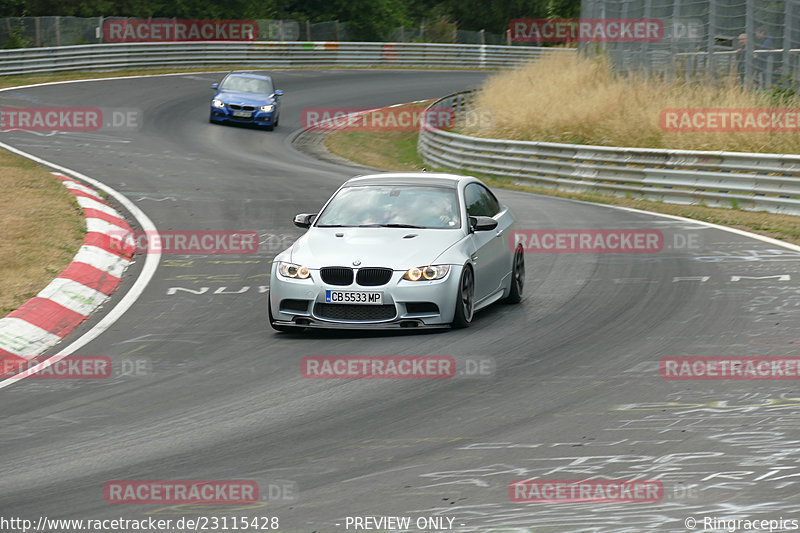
(491, 256)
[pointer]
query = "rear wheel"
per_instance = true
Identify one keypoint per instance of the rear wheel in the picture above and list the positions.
(517, 277)
(466, 299)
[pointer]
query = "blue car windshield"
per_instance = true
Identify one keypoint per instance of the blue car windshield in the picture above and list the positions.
(392, 206)
(246, 85)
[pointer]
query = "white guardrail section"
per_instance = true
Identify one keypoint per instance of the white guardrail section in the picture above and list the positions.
(757, 182)
(270, 54)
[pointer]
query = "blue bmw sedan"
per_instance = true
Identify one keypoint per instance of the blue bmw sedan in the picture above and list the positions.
(246, 98)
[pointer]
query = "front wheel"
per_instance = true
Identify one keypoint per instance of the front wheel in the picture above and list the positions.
(465, 300)
(517, 277)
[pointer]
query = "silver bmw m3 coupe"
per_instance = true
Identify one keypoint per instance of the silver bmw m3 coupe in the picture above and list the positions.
(398, 250)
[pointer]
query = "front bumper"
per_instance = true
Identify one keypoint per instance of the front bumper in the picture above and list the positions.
(406, 304)
(257, 117)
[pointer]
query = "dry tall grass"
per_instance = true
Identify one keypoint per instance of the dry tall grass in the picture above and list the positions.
(41, 230)
(575, 99)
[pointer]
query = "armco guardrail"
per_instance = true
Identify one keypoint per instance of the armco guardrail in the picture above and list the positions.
(268, 54)
(759, 182)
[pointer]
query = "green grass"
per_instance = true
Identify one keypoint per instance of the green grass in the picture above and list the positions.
(42, 230)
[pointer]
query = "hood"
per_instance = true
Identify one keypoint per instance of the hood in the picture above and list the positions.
(236, 97)
(374, 247)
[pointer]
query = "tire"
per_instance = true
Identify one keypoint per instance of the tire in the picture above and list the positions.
(210, 120)
(466, 299)
(277, 119)
(517, 277)
(269, 128)
(276, 327)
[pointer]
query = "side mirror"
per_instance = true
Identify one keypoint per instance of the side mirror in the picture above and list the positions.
(215, 86)
(277, 92)
(304, 220)
(482, 223)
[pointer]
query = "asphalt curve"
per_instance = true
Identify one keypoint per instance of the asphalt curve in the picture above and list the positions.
(574, 389)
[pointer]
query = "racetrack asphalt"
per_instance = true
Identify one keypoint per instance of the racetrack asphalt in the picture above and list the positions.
(575, 392)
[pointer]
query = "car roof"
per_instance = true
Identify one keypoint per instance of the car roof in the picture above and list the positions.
(250, 75)
(437, 179)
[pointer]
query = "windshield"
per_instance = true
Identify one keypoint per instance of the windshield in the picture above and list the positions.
(392, 206)
(246, 85)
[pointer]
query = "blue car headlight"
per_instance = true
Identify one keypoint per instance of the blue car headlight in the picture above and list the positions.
(267, 108)
(427, 273)
(217, 103)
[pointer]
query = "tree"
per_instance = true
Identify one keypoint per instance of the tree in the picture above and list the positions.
(367, 20)
(494, 15)
(12, 8)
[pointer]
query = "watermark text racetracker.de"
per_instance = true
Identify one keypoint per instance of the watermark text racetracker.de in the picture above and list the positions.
(730, 368)
(410, 117)
(751, 120)
(154, 30)
(73, 367)
(396, 118)
(396, 367)
(150, 524)
(70, 119)
(630, 241)
(180, 492)
(586, 490)
(586, 30)
(184, 242)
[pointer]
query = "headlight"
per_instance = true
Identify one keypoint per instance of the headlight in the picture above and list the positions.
(290, 270)
(267, 108)
(217, 103)
(427, 273)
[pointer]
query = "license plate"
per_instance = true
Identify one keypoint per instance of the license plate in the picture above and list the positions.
(243, 114)
(354, 297)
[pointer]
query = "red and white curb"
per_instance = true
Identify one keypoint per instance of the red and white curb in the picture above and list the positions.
(82, 287)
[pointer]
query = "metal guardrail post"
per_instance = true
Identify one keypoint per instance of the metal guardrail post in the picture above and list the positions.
(711, 40)
(787, 40)
(749, 46)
